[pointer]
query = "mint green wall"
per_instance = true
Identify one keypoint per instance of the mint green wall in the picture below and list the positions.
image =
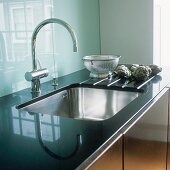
(83, 15)
(127, 29)
(19, 18)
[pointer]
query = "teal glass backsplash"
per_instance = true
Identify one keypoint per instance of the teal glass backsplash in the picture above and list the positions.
(54, 44)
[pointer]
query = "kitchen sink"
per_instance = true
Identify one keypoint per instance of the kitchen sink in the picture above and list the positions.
(78, 102)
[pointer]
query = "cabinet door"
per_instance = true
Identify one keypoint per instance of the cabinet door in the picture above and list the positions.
(145, 143)
(111, 159)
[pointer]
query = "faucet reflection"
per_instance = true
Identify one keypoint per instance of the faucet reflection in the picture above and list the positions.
(36, 74)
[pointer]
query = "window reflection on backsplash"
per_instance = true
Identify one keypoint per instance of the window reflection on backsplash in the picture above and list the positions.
(18, 20)
(24, 124)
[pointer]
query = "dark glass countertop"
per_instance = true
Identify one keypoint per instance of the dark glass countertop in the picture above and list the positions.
(19, 144)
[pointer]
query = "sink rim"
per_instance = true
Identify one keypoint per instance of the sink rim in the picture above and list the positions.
(74, 85)
(74, 114)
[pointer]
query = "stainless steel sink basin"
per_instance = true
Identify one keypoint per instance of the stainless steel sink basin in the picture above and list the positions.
(81, 103)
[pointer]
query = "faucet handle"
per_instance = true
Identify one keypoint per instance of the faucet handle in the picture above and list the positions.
(29, 76)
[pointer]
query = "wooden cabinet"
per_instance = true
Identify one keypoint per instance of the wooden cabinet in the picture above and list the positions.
(145, 143)
(111, 159)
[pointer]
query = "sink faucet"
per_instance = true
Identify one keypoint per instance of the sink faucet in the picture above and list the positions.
(36, 74)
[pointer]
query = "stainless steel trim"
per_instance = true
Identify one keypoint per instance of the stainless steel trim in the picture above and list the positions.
(113, 82)
(100, 81)
(126, 83)
(145, 82)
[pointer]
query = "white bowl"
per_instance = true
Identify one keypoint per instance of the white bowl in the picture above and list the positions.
(100, 66)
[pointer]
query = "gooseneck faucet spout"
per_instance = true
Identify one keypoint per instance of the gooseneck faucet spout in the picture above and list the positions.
(35, 75)
(42, 24)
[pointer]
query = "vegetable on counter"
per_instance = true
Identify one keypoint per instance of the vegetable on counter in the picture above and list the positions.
(123, 72)
(137, 72)
(142, 73)
(155, 69)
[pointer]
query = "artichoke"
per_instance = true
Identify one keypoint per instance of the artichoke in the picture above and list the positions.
(149, 69)
(155, 69)
(137, 72)
(133, 68)
(141, 73)
(123, 71)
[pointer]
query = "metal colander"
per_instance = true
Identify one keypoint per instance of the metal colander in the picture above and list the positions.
(100, 66)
